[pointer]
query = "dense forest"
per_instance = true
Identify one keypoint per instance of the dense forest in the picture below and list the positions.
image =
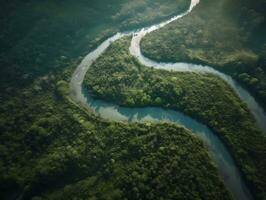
(69, 153)
(41, 36)
(233, 40)
(117, 76)
(53, 148)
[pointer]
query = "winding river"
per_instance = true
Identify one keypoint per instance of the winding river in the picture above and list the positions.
(220, 155)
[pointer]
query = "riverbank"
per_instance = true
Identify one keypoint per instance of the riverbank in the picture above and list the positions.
(120, 78)
(229, 36)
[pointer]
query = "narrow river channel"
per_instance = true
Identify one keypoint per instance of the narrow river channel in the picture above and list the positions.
(219, 153)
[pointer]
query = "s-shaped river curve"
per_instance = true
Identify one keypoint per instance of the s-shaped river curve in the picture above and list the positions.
(220, 155)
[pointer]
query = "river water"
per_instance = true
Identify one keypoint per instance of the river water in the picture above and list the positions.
(218, 152)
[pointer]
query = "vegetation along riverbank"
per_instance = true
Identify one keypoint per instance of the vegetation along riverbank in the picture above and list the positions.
(117, 76)
(228, 35)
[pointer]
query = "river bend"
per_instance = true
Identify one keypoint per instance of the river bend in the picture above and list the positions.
(219, 153)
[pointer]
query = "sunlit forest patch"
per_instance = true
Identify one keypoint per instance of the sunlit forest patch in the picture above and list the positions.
(53, 147)
(228, 35)
(117, 76)
(40, 36)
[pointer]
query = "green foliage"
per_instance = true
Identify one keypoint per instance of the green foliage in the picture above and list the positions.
(228, 35)
(119, 77)
(38, 37)
(62, 88)
(51, 149)
(66, 153)
(160, 161)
